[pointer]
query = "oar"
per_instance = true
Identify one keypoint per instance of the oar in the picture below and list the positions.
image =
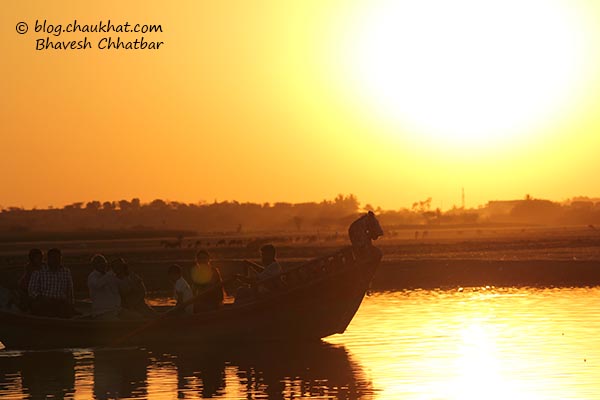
(153, 322)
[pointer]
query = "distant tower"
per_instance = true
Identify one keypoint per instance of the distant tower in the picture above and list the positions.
(463, 198)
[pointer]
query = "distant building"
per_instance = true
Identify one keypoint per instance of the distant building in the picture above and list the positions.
(501, 207)
(582, 205)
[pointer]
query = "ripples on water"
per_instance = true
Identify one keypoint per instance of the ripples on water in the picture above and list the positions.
(470, 344)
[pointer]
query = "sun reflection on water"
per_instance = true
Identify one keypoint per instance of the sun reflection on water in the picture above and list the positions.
(480, 343)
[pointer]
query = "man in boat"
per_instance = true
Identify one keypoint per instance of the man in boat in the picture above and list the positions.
(181, 291)
(270, 266)
(206, 283)
(51, 288)
(263, 278)
(131, 289)
(104, 289)
(34, 263)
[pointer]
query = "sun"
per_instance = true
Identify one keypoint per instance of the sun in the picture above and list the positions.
(467, 72)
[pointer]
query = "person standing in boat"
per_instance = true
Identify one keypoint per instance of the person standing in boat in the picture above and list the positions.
(131, 289)
(181, 290)
(206, 283)
(104, 289)
(51, 288)
(34, 263)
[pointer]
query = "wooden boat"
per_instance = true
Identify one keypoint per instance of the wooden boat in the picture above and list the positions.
(317, 299)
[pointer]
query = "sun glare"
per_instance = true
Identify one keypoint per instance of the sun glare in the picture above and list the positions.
(467, 72)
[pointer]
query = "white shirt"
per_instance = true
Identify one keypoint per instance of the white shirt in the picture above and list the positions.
(104, 291)
(185, 291)
(270, 270)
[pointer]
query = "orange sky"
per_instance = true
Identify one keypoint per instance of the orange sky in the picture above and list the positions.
(279, 101)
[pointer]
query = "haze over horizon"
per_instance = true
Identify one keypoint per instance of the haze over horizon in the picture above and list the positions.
(393, 101)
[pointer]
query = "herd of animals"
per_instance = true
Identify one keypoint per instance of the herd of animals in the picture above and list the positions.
(256, 243)
(250, 243)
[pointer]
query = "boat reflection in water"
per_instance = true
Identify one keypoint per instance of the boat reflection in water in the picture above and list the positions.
(38, 374)
(313, 370)
(120, 373)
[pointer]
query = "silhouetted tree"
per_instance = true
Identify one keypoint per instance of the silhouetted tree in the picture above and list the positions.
(124, 205)
(93, 205)
(135, 203)
(158, 204)
(422, 206)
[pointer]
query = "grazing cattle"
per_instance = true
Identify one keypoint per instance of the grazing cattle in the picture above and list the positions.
(221, 242)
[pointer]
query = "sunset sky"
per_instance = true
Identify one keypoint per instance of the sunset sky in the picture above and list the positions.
(394, 101)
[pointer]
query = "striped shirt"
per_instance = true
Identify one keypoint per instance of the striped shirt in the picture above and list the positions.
(52, 283)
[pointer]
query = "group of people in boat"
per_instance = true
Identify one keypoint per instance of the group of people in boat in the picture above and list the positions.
(46, 289)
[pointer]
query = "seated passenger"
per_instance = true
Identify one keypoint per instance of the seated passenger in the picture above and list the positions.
(206, 283)
(34, 263)
(270, 266)
(181, 291)
(104, 289)
(51, 288)
(266, 276)
(131, 289)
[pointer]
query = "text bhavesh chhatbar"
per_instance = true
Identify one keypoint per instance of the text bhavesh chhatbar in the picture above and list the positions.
(105, 43)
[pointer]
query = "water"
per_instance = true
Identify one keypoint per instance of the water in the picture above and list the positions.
(469, 344)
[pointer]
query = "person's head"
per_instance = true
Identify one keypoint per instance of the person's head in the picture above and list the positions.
(99, 263)
(120, 267)
(202, 257)
(54, 258)
(35, 258)
(267, 253)
(174, 272)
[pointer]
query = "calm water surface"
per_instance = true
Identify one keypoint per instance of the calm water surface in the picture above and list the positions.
(469, 344)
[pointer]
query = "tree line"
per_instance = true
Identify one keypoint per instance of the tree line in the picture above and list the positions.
(240, 217)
